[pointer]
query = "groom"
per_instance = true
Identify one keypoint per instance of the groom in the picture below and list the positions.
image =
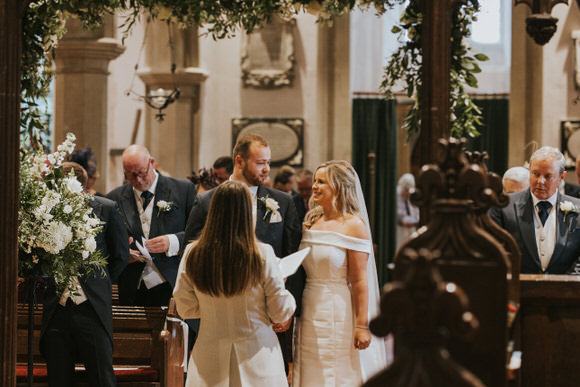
(276, 221)
(545, 229)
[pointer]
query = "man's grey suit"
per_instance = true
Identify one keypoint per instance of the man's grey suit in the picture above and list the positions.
(181, 194)
(518, 219)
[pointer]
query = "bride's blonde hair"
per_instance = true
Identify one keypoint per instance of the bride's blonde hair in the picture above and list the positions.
(341, 177)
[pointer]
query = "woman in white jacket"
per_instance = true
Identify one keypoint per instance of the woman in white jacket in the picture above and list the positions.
(232, 283)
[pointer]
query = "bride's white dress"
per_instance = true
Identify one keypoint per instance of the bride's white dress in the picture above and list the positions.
(324, 341)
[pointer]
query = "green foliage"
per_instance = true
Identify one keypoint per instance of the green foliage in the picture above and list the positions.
(405, 67)
(43, 25)
(44, 21)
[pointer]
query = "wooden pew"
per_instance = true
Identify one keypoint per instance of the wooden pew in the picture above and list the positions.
(550, 330)
(148, 347)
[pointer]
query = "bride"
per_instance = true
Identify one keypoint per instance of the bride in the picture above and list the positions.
(333, 343)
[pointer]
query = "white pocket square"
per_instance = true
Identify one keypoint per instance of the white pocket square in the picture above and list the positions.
(276, 217)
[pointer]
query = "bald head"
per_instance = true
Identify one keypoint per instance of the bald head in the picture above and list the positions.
(137, 168)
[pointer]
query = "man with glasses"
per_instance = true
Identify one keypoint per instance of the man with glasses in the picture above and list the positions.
(155, 209)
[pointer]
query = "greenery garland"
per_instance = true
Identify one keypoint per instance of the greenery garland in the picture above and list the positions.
(406, 66)
(44, 23)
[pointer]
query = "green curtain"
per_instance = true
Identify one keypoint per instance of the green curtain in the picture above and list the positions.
(375, 130)
(494, 133)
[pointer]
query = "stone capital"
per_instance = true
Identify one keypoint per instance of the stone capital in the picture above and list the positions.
(189, 76)
(86, 56)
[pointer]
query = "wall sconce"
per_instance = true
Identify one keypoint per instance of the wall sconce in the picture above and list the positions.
(540, 25)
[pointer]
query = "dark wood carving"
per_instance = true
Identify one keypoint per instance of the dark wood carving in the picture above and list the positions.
(423, 313)
(498, 199)
(10, 57)
(470, 257)
(434, 95)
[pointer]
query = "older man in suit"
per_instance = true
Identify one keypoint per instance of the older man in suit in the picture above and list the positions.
(543, 221)
(154, 208)
(79, 327)
(275, 215)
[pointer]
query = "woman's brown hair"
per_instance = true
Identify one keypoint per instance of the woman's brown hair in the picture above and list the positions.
(226, 260)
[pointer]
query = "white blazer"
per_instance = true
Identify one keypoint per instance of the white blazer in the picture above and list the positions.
(236, 345)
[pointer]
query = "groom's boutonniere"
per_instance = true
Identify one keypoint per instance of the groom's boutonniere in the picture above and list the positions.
(567, 207)
(164, 206)
(271, 206)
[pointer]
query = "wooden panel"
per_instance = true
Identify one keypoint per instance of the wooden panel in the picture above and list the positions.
(550, 330)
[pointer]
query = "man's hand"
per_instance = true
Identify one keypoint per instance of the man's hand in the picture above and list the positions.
(135, 255)
(158, 244)
(282, 327)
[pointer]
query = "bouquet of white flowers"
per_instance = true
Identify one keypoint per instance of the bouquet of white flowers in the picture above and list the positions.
(57, 227)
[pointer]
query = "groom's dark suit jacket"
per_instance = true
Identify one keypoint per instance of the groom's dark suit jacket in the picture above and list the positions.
(113, 243)
(181, 193)
(518, 219)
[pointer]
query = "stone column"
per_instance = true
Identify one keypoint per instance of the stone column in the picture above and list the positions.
(526, 94)
(10, 62)
(80, 93)
(174, 140)
(334, 99)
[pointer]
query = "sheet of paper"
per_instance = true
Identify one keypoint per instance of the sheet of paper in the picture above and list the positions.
(142, 249)
(291, 263)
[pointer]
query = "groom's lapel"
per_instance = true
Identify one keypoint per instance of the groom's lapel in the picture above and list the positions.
(261, 211)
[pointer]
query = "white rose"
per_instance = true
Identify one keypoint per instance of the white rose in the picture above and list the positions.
(272, 204)
(90, 244)
(93, 222)
(567, 206)
(67, 209)
(85, 254)
(58, 236)
(73, 185)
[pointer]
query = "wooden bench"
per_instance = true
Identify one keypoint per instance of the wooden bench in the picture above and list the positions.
(148, 347)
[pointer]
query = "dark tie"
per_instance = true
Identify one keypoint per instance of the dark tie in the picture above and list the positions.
(147, 196)
(543, 208)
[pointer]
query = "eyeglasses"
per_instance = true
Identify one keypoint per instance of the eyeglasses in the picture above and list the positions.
(142, 175)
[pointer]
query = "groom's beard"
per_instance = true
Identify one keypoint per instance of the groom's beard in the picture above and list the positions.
(252, 178)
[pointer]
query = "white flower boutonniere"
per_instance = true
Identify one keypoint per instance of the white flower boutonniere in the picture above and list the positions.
(271, 206)
(567, 207)
(164, 206)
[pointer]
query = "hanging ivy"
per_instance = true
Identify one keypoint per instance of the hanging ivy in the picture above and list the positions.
(404, 70)
(44, 24)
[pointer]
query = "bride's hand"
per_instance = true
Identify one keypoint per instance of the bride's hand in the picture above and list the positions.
(362, 338)
(282, 327)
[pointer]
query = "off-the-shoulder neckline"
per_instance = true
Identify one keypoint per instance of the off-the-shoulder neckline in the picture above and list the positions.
(338, 233)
